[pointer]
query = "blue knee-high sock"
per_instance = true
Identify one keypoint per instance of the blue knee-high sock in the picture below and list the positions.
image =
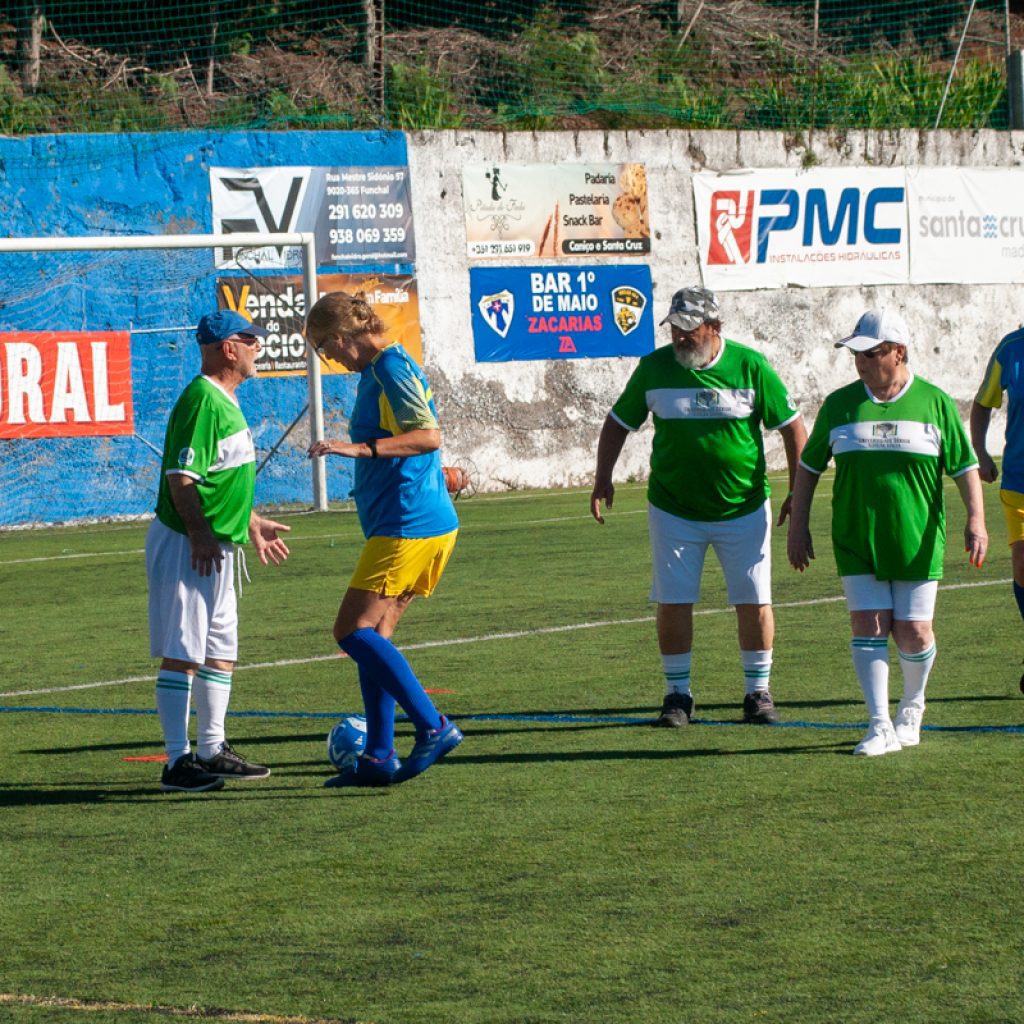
(1018, 593)
(386, 666)
(380, 717)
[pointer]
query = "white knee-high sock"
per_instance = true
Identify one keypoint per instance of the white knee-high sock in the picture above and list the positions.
(916, 668)
(871, 663)
(757, 670)
(172, 693)
(677, 672)
(211, 693)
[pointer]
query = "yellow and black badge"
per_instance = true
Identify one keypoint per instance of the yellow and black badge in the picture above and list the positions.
(628, 307)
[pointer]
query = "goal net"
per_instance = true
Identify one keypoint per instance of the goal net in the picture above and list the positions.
(97, 340)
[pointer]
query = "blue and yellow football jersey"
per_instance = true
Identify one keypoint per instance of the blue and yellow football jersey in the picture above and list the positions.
(1006, 373)
(402, 497)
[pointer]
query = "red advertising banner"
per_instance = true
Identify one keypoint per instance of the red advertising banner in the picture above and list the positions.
(65, 384)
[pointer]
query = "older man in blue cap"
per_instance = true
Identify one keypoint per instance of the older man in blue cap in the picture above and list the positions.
(204, 509)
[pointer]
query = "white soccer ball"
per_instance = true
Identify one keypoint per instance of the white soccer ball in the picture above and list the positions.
(346, 741)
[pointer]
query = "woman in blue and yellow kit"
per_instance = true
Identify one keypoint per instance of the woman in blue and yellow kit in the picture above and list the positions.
(1005, 372)
(410, 527)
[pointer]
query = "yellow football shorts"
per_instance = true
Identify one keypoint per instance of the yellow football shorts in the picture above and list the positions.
(1013, 513)
(390, 566)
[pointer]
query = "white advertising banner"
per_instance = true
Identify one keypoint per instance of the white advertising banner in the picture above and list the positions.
(556, 210)
(816, 228)
(966, 225)
(358, 214)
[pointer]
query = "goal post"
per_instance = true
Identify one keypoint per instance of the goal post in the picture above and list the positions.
(304, 241)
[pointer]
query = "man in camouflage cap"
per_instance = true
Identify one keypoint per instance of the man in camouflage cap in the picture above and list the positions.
(709, 397)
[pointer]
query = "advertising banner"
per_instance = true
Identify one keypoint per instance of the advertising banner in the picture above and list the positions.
(279, 305)
(966, 225)
(560, 312)
(358, 214)
(556, 210)
(815, 228)
(65, 384)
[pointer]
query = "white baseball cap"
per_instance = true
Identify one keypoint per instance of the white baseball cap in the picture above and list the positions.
(874, 328)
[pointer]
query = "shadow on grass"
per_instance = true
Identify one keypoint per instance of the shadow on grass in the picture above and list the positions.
(27, 796)
(643, 755)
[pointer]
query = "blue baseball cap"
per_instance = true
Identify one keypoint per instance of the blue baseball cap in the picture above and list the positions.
(224, 324)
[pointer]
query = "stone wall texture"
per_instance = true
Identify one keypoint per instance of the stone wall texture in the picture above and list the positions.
(535, 424)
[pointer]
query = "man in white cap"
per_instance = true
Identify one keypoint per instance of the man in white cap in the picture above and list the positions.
(204, 508)
(708, 487)
(892, 435)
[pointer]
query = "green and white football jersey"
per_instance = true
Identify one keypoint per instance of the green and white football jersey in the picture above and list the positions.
(707, 461)
(888, 514)
(208, 439)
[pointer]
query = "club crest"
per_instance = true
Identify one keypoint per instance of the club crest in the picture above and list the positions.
(627, 308)
(497, 310)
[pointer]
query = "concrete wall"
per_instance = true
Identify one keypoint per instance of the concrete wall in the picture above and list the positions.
(536, 424)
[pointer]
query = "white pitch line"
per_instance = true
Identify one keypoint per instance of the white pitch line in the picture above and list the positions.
(81, 554)
(581, 515)
(461, 641)
(133, 552)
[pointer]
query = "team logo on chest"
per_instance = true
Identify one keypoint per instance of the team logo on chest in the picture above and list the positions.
(707, 400)
(884, 431)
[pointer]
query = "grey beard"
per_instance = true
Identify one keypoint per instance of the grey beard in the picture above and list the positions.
(694, 358)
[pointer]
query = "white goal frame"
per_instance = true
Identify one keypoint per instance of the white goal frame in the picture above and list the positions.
(306, 242)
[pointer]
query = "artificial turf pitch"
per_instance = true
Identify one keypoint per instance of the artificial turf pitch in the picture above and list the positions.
(567, 862)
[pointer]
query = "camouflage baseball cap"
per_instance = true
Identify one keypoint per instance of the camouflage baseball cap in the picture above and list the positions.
(692, 307)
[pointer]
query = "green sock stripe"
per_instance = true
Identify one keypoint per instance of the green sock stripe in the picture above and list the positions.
(758, 673)
(172, 684)
(677, 675)
(870, 642)
(210, 675)
(923, 656)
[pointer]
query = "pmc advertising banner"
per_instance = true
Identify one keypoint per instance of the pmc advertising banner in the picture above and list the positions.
(966, 225)
(560, 312)
(816, 228)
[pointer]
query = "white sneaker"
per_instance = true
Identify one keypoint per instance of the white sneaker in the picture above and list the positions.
(879, 739)
(907, 725)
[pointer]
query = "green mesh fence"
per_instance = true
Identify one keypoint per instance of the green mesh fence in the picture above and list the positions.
(505, 64)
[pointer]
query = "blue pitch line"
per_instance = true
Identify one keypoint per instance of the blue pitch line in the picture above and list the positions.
(565, 719)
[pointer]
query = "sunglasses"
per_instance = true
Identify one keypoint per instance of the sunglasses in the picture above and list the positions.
(879, 350)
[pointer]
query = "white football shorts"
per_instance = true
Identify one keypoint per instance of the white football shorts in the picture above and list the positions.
(909, 600)
(743, 547)
(191, 617)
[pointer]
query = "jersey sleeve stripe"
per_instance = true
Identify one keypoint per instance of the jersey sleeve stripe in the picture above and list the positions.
(785, 423)
(622, 423)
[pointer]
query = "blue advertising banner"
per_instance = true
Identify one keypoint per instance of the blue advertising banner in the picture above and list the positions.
(560, 312)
